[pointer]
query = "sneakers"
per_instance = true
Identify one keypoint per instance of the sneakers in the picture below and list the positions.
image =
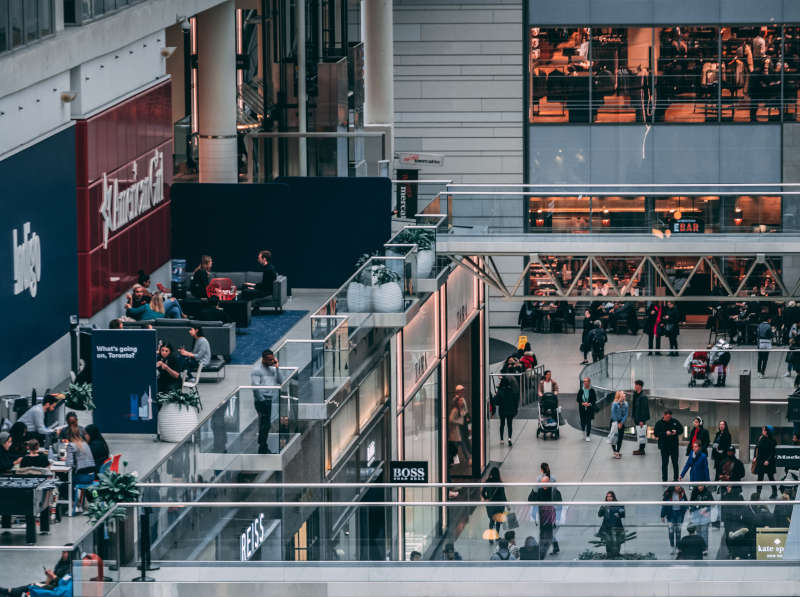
(502, 442)
(587, 439)
(787, 374)
(509, 443)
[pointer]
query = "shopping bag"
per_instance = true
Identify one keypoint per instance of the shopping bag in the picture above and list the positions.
(714, 513)
(511, 521)
(612, 434)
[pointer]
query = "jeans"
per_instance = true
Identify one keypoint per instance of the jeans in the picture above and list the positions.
(503, 421)
(586, 424)
(172, 309)
(264, 410)
(667, 453)
(771, 477)
(674, 531)
(763, 356)
(620, 434)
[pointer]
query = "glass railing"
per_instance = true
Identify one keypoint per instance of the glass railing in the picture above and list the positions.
(648, 521)
(417, 196)
(694, 383)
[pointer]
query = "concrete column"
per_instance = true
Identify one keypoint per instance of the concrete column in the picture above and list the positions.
(378, 61)
(216, 82)
(302, 96)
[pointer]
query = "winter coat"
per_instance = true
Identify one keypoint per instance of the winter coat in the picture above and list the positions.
(660, 431)
(641, 407)
(612, 517)
(586, 413)
(671, 320)
(702, 437)
(672, 514)
(697, 465)
(508, 392)
(765, 451)
(700, 515)
(722, 440)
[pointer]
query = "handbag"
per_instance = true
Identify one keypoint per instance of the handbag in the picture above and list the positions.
(511, 521)
(612, 434)
(753, 464)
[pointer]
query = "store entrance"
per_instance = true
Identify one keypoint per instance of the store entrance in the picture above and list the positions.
(464, 439)
(372, 525)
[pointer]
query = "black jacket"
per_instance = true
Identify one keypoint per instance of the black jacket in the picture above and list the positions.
(702, 436)
(508, 396)
(723, 442)
(200, 280)
(735, 469)
(651, 326)
(691, 547)
(641, 407)
(671, 320)
(268, 276)
(6, 460)
(586, 412)
(765, 452)
(660, 431)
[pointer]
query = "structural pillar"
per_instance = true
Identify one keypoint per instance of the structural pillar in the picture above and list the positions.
(744, 416)
(379, 66)
(216, 93)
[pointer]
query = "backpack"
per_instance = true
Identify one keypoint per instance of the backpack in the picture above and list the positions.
(598, 339)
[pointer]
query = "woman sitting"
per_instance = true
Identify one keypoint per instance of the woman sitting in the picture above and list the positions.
(34, 458)
(98, 446)
(169, 375)
(80, 459)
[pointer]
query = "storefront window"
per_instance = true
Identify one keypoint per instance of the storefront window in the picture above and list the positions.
(371, 394)
(419, 345)
(421, 442)
(622, 61)
(461, 300)
(461, 407)
(342, 429)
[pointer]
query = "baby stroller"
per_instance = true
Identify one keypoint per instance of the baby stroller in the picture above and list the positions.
(548, 416)
(719, 358)
(697, 366)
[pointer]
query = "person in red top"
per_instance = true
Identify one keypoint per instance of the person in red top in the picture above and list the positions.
(528, 359)
(698, 434)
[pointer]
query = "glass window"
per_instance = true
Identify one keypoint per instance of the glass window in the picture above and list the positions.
(342, 429)
(420, 441)
(752, 72)
(3, 25)
(621, 66)
(15, 20)
(791, 71)
(419, 345)
(45, 17)
(109, 5)
(688, 74)
(559, 74)
(31, 26)
(371, 394)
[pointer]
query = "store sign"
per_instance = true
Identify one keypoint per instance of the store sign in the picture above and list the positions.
(27, 260)
(406, 201)
(408, 471)
(787, 457)
(770, 544)
(119, 208)
(252, 538)
(690, 225)
(420, 159)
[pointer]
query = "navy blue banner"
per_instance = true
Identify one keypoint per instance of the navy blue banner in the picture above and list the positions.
(124, 380)
(38, 249)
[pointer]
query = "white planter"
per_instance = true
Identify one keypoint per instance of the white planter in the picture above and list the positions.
(425, 263)
(387, 298)
(175, 423)
(359, 298)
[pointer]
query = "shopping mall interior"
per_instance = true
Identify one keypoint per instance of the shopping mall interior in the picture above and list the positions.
(553, 317)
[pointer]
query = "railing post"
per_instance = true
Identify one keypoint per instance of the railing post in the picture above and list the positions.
(144, 546)
(744, 416)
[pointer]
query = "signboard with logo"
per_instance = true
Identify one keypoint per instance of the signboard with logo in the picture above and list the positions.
(124, 380)
(688, 225)
(419, 346)
(124, 173)
(406, 202)
(38, 265)
(408, 471)
(770, 543)
(251, 538)
(787, 457)
(408, 158)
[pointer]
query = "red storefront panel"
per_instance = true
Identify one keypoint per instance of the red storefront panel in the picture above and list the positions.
(124, 168)
(105, 274)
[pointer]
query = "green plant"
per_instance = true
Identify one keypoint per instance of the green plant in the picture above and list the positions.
(383, 275)
(112, 489)
(79, 396)
(612, 540)
(421, 237)
(365, 276)
(599, 555)
(181, 398)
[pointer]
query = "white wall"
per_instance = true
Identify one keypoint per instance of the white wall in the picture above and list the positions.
(48, 369)
(458, 92)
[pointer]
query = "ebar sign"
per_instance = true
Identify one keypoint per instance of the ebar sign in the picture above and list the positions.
(408, 471)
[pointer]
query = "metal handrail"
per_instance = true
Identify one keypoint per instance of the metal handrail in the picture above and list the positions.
(466, 484)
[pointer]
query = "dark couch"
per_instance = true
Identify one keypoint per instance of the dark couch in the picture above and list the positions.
(280, 288)
(221, 336)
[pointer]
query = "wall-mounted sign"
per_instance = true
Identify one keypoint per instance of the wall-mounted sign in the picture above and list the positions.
(787, 456)
(27, 260)
(406, 196)
(408, 158)
(691, 225)
(408, 471)
(118, 208)
(770, 543)
(252, 538)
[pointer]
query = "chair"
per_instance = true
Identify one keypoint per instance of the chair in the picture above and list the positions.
(78, 487)
(221, 287)
(192, 384)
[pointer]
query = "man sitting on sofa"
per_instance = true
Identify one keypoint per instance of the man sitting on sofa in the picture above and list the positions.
(268, 276)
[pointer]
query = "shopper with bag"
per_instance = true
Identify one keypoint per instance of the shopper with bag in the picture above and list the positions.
(587, 403)
(719, 447)
(495, 496)
(619, 412)
(545, 516)
(673, 514)
(640, 415)
(702, 516)
(668, 430)
(764, 459)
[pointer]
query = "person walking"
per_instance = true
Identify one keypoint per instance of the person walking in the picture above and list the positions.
(700, 515)
(764, 339)
(692, 546)
(668, 430)
(654, 328)
(612, 532)
(720, 445)
(731, 468)
(696, 464)
(561, 511)
(265, 373)
(764, 459)
(698, 434)
(508, 397)
(619, 412)
(588, 326)
(495, 496)
(671, 319)
(597, 341)
(545, 516)
(547, 385)
(587, 404)
(673, 514)
(641, 414)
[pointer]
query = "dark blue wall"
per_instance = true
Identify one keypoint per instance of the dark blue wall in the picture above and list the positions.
(316, 228)
(37, 185)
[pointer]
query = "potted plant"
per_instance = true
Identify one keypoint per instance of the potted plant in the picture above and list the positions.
(117, 530)
(79, 397)
(387, 295)
(359, 293)
(423, 238)
(178, 414)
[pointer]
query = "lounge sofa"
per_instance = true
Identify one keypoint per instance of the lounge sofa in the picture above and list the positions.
(221, 336)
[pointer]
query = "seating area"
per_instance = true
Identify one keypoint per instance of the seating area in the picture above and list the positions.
(275, 301)
(221, 336)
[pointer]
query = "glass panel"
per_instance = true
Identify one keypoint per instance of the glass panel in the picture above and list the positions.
(791, 74)
(688, 74)
(371, 393)
(15, 19)
(621, 65)
(45, 17)
(558, 67)
(755, 50)
(31, 28)
(98, 7)
(342, 429)
(3, 25)
(110, 5)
